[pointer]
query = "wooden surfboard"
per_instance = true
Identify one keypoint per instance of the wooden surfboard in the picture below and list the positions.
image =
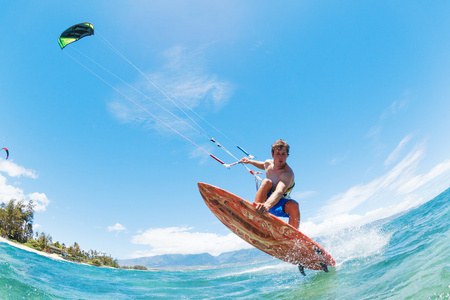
(265, 232)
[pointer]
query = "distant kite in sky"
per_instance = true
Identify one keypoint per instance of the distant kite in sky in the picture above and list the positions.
(7, 152)
(74, 33)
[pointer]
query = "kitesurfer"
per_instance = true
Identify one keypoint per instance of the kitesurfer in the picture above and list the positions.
(273, 194)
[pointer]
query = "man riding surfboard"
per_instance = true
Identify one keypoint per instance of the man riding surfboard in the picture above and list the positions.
(273, 194)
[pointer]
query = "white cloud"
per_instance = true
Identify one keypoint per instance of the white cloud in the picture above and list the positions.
(40, 201)
(302, 195)
(199, 154)
(396, 107)
(337, 160)
(116, 227)
(337, 223)
(396, 153)
(181, 85)
(377, 189)
(14, 170)
(399, 189)
(36, 227)
(420, 180)
(181, 240)
(8, 192)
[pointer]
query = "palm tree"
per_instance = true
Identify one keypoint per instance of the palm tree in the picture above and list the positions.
(44, 241)
(16, 220)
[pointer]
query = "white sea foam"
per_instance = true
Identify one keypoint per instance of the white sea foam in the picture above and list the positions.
(273, 267)
(355, 243)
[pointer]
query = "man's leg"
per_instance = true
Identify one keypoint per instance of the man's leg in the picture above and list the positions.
(263, 191)
(292, 209)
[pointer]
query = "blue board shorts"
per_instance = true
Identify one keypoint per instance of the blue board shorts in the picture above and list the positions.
(277, 209)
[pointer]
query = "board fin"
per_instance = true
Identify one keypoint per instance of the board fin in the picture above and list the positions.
(301, 269)
(324, 267)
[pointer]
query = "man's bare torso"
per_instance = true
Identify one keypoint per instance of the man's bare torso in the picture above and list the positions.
(281, 173)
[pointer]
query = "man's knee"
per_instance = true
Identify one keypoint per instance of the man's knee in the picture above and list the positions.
(266, 186)
(292, 207)
(263, 191)
(266, 183)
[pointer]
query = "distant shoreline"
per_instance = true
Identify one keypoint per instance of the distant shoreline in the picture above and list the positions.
(59, 257)
(42, 253)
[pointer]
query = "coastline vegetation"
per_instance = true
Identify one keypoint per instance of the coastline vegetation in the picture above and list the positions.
(16, 224)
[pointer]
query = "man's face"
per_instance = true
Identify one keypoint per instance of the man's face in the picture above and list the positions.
(280, 156)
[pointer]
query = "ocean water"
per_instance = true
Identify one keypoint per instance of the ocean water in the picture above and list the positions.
(404, 258)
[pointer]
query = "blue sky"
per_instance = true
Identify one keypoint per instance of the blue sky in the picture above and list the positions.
(358, 89)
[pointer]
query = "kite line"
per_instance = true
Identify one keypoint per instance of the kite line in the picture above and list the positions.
(79, 31)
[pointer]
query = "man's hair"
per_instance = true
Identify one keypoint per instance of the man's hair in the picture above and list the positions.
(280, 145)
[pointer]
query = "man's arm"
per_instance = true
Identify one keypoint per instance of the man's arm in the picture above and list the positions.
(278, 193)
(256, 163)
